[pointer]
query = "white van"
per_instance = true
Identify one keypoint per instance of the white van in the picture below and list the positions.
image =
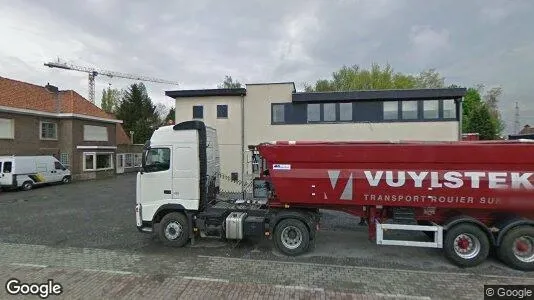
(25, 172)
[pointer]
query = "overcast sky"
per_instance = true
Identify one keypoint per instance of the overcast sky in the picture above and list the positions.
(197, 43)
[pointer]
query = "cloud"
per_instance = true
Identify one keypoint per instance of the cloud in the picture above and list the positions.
(199, 42)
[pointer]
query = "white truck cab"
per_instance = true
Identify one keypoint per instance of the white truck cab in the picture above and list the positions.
(25, 172)
(179, 173)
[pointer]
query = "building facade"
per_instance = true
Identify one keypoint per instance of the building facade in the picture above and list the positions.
(275, 111)
(37, 120)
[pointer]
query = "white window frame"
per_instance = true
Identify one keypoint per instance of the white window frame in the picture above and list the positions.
(41, 131)
(92, 138)
(12, 136)
(138, 159)
(94, 154)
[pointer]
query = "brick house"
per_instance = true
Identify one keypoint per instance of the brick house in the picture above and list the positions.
(42, 120)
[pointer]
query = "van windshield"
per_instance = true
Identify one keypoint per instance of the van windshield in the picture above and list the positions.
(157, 159)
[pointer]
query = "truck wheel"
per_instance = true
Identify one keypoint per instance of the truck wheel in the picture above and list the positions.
(466, 245)
(517, 248)
(292, 237)
(27, 185)
(174, 230)
(66, 179)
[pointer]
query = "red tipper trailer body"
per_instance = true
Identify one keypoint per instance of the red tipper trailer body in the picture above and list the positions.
(489, 185)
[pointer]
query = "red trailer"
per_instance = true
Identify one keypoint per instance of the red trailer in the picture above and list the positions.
(467, 196)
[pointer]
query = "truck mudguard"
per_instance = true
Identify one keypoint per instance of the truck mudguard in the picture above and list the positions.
(308, 217)
(509, 224)
(467, 219)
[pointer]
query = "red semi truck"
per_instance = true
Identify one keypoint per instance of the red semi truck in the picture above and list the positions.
(468, 197)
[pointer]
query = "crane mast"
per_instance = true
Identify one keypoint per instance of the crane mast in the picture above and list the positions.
(93, 72)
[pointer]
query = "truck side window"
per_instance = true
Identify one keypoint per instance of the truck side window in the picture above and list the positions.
(157, 159)
(7, 167)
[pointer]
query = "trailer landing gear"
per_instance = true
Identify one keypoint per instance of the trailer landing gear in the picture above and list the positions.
(466, 245)
(517, 248)
(292, 237)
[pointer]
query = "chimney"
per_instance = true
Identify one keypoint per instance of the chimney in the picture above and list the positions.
(55, 91)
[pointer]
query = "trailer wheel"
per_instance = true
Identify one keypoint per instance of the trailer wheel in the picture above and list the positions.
(27, 185)
(517, 248)
(174, 230)
(466, 245)
(292, 237)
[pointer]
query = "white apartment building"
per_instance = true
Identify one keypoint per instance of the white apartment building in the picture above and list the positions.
(275, 111)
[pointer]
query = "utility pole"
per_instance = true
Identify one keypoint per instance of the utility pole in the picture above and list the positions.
(516, 118)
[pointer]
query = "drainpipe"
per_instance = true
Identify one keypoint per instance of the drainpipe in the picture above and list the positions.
(460, 117)
(243, 146)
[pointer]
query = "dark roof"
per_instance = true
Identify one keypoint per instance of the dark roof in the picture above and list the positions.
(445, 93)
(206, 93)
(521, 136)
(527, 130)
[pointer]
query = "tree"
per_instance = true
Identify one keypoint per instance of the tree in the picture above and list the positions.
(229, 83)
(491, 99)
(110, 100)
(471, 101)
(138, 113)
(375, 78)
(429, 79)
(171, 116)
(482, 122)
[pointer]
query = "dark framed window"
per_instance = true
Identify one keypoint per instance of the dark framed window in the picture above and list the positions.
(278, 113)
(431, 109)
(234, 176)
(449, 109)
(391, 110)
(329, 112)
(314, 112)
(222, 111)
(345, 111)
(198, 112)
(409, 110)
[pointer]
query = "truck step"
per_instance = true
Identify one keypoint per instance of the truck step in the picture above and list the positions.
(404, 215)
(436, 243)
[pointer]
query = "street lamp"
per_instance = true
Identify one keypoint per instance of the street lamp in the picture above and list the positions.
(131, 136)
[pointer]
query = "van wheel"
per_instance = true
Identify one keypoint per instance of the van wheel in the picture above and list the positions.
(466, 245)
(27, 185)
(174, 230)
(292, 237)
(66, 179)
(517, 248)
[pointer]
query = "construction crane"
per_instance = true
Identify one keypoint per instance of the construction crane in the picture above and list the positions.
(93, 72)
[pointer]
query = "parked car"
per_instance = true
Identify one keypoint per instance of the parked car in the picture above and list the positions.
(25, 172)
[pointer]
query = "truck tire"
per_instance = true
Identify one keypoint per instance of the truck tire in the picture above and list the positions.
(292, 237)
(517, 248)
(27, 185)
(174, 230)
(466, 245)
(66, 179)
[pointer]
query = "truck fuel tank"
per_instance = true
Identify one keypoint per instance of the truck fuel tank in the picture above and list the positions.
(234, 225)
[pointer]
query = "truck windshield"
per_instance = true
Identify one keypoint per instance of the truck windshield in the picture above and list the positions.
(157, 159)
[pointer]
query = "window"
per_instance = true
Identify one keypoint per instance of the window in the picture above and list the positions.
(234, 176)
(449, 109)
(128, 158)
(345, 111)
(48, 131)
(58, 166)
(95, 133)
(391, 110)
(64, 159)
(431, 109)
(157, 159)
(409, 110)
(7, 167)
(278, 113)
(137, 160)
(314, 112)
(329, 112)
(7, 130)
(222, 111)
(198, 112)
(97, 161)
